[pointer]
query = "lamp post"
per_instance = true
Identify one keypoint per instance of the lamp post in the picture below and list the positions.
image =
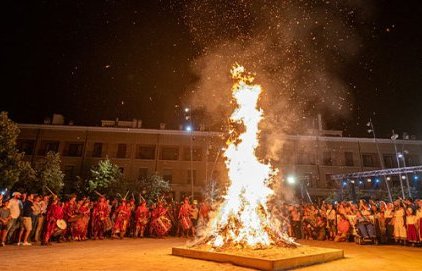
(372, 130)
(394, 138)
(189, 128)
(402, 156)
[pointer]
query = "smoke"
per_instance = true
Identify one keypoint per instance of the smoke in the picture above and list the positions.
(297, 48)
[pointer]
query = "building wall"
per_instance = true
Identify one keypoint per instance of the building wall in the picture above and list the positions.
(140, 152)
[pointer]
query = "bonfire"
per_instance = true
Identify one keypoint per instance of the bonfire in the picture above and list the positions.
(243, 220)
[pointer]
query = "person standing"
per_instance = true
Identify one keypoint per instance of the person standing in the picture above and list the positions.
(185, 217)
(5, 219)
(400, 233)
(41, 218)
(54, 213)
(101, 221)
(27, 214)
(142, 215)
(15, 206)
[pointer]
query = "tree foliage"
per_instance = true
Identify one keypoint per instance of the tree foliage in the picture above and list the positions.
(49, 174)
(103, 176)
(12, 166)
(153, 187)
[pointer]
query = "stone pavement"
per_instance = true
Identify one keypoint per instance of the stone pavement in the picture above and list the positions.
(155, 254)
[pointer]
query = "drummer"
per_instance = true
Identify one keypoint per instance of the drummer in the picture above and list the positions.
(185, 218)
(54, 213)
(70, 208)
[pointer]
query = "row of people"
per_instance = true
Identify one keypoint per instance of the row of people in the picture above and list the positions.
(399, 221)
(26, 218)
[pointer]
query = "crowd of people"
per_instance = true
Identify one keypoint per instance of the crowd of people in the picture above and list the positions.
(398, 222)
(28, 218)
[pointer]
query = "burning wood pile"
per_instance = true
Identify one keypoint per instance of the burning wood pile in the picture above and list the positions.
(244, 219)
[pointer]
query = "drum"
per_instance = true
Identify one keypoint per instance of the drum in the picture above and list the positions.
(186, 222)
(61, 226)
(162, 225)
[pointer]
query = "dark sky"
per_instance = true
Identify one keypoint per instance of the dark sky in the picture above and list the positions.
(84, 58)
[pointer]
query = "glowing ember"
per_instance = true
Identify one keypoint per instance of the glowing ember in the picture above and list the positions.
(243, 219)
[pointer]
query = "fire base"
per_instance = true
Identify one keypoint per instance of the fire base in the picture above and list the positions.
(272, 259)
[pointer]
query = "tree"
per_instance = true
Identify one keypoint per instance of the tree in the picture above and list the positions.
(12, 166)
(212, 191)
(152, 187)
(49, 174)
(103, 176)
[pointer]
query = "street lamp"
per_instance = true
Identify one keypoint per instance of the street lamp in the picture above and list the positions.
(291, 180)
(403, 157)
(394, 137)
(189, 129)
(372, 130)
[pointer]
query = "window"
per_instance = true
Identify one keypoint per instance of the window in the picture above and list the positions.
(143, 173)
(196, 154)
(47, 146)
(170, 153)
(348, 159)
(168, 175)
(145, 152)
(330, 183)
(326, 158)
(69, 173)
(412, 160)
(121, 150)
(368, 159)
(190, 175)
(98, 150)
(305, 158)
(73, 149)
(389, 161)
(26, 146)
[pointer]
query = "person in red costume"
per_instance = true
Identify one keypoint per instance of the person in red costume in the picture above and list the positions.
(70, 215)
(142, 215)
(54, 213)
(100, 219)
(121, 219)
(185, 218)
(160, 223)
(80, 226)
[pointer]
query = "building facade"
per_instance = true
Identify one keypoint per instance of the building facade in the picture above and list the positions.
(190, 160)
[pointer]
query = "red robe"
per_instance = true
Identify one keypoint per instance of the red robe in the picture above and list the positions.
(100, 218)
(122, 215)
(184, 216)
(54, 213)
(142, 215)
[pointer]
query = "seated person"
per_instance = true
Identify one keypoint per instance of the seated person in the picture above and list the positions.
(343, 229)
(367, 230)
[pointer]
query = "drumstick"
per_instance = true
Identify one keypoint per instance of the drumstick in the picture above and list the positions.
(126, 194)
(133, 197)
(98, 193)
(50, 191)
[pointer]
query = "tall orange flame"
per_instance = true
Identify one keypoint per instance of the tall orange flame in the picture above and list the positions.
(243, 219)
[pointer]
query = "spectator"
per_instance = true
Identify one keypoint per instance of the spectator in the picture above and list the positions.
(5, 219)
(27, 214)
(15, 206)
(343, 229)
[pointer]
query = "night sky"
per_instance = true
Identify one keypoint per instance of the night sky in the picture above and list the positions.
(93, 60)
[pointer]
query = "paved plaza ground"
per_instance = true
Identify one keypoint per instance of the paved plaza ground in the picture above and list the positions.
(154, 254)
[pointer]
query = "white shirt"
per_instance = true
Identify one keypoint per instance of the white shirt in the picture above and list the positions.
(14, 207)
